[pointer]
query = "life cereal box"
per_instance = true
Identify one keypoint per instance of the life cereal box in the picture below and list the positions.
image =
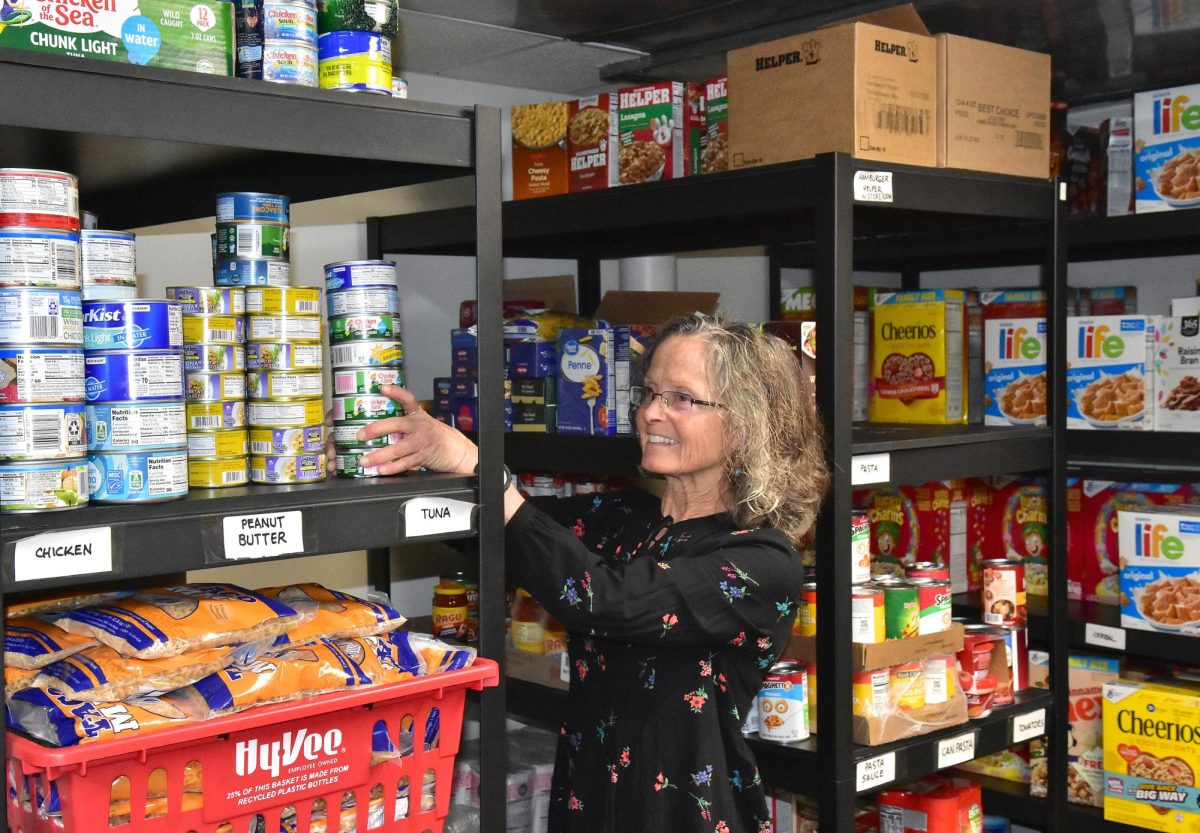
(1177, 374)
(918, 356)
(1160, 569)
(1014, 388)
(1166, 149)
(1086, 676)
(1152, 755)
(650, 130)
(592, 143)
(1110, 367)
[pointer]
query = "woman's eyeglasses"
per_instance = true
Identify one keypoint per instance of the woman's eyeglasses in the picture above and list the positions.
(672, 400)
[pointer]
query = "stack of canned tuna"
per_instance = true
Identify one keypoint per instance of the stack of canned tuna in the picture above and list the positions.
(109, 265)
(287, 433)
(277, 41)
(42, 444)
(366, 354)
(250, 247)
(214, 358)
(136, 440)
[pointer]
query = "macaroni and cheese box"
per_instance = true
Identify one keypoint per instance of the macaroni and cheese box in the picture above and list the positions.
(918, 356)
(1151, 755)
(539, 155)
(1177, 374)
(1014, 362)
(592, 143)
(1110, 365)
(1160, 569)
(1086, 676)
(716, 126)
(650, 125)
(1166, 132)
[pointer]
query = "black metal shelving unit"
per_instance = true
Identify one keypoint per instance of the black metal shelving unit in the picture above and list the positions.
(152, 146)
(807, 208)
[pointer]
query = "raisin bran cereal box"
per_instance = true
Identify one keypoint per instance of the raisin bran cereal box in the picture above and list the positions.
(1086, 677)
(1152, 755)
(592, 143)
(1166, 150)
(1110, 367)
(918, 356)
(650, 125)
(716, 117)
(1177, 374)
(1160, 569)
(586, 382)
(1020, 524)
(1015, 371)
(894, 529)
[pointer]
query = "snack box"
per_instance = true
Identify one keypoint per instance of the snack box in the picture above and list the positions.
(1086, 676)
(1177, 374)
(1166, 132)
(1014, 354)
(650, 125)
(1160, 569)
(1110, 364)
(592, 143)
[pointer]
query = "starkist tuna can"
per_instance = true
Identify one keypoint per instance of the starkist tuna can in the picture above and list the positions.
(365, 406)
(231, 442)
(383, 326)
(42, 432)
(355, 61)
(287, 62)
(274, 441)
(278, 355)
(213, 416)
(136, 426)
(35, 198)
(209, 300)
(41, 316)
(218, 472)
(43, 487)
(223, 358)
(39, 257)
(283, 300)
(132, 325)
(248, 271)
(363, 300)
(366, 354)
(214, 329)
(109, 257)
(350, 274)
(137, 477)
(252, 206)
(40, 374)
(150, 376)
(215, 387)
(283, 469)
(263, 384)
(350, 381)
(289, 328)
(252, 240)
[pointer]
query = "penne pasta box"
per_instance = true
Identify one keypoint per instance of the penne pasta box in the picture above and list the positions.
(587, 382)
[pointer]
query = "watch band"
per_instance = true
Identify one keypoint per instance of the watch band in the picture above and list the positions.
(508, 476)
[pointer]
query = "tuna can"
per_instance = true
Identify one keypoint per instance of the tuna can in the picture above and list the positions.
(867, 615)
(938, 674)
(295, 22)
(263, 384)
(33, 198)
(369, 326)
(248, 38)
(289, 328)
(108, 292)
(934, 600)
(363, 299)
(357, 380)
(928, 569)
(41, 316)
(272, 441)
(279, 355)
(252, 240)
(350, 274)
(349, 463)
(253, 207)
(1004, 592)
(42, 432)
(218, 472)
(214, 329)
(249, 271)
(215, 387)
(209, 300)
(283, 300)
(136, 426)
(860, 547)
(907, 685)
(345, 435)
(223, 358)
(783, 703)
(285, 414)
(134, 377)
(39, 257)
(355, 61)
(232, 442)
(367, 406)
(109, 257)
(133, 325)
(43, 487)
(301, 468)
(354, 15)
(214, 416)
(290, 63)
(902, 609)
(366, 354)
(40, 374)
(870, 693)
(89, 220)
(808, 610)
(137, 476)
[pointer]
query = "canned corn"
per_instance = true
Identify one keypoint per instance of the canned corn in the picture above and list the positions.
(283, 300)
(230, 442)
(285, 414)
(215, 358)
(215, 387)
(40, 374)
(274, 441)
(302, 468)
(366, 353)
(213, 416)
(218, 472)
(41, 316)
(136, 426)
(365, 406)
(345, 435)
(214, 329)
(363, 299)
(263, 384)
(209, 300)
(290, 328)
(137, 477)
(349, 463)
(364, 326)
(278, 355)
(43, 487)
(42, 432)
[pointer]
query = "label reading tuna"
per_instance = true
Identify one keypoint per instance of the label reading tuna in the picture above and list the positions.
(39, 258)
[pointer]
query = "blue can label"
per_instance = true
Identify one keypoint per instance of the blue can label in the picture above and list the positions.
(41, 316)
(355, 273)
(363, 300)
(41, 432)
(133, 426)
(247, 271)
(132, 325)
(252, 206)
(134, 377)
(137, 477)
(290, 21)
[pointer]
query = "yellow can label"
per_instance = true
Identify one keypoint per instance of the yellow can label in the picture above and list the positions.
(283, 300)
(214, 416)
(364, 71)
(290, 328)
(218, 472)
(214, 329)
(226, 443)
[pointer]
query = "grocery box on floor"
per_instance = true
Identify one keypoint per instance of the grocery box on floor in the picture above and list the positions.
(1177, 374)
(1110, 372)
(1160, 569)
(1166, 133)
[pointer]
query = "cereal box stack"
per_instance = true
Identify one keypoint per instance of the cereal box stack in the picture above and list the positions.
(1110, 372)
(109, 265)
(1160, 569)
(363, 304)
(1166, 161)
(42, 447)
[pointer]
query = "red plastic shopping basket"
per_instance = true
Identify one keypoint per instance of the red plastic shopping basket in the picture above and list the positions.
(261, 769)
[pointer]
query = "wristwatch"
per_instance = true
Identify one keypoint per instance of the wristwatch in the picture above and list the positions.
(508, 476)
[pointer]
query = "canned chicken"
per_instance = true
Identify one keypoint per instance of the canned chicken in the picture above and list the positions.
(366, 354)
(42, 432)
(275, 441)
(209, 300)
(867, 615)
(349, 274)
(363, 299)
(907, 686)
(1004, 592)
(218, 358)
(136, 426)
(360, 326)
(860, 547)
(283, 300)
(933, 598)
(39, 257)
(230, 442)
(870, 692)
(218, 472)
(263, 384)
(285, 414)
(349, 463)
(902, 609)
(252, 240)
(278, 355)
(109, 257)
(213, 416)
(807, 617)
(290, 63)
(43, 487)
(355, 61)
(35, 198)
(253, 206)
(214, 329)
(366, 406)
(249, 271)
(290, 22)
(289, 328)
(133, 325)
(345, 435)
(783, 703)
(302, 468)
(215, 387)
(41, 316)
(137, 477)
(151, 376)
(358, 380)
(40, 374)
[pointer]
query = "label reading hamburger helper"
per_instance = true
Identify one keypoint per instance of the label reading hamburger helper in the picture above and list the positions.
(263, 536)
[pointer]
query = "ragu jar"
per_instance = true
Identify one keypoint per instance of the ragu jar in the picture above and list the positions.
(527, 630)
(450, 610)
(469, 584)
(554, 635)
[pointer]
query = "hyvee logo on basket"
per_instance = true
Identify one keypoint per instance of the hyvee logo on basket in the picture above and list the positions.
(808, 53)
(250, 755)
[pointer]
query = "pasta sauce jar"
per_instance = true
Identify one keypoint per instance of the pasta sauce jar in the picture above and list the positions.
(450, 610)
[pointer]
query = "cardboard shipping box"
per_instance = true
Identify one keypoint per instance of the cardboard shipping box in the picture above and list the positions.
(866, 87)
(993, 107)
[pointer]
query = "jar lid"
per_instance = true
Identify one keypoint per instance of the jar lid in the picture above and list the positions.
(449, 589)
(523, 593)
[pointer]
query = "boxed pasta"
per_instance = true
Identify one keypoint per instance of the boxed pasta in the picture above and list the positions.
(586, 382)
(1160, 569)
(1110, 366)
(1166, 160)
(1086, 676)
(1177, 374)
(1014, 352)
(1151, 755)
(716, 126)
(591, 141)
(539, 158)
(650, 123)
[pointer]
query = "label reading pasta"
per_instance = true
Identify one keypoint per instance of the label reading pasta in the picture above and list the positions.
(263, 536)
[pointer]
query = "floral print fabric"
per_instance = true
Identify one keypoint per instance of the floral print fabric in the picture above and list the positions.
(671, 627)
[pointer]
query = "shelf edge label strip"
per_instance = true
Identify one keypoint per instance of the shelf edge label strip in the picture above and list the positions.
(263, 535)
(425, 516)
(875, 772)
(1029, 725)
(76, 552)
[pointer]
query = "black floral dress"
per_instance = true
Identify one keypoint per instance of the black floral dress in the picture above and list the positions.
(671, 627)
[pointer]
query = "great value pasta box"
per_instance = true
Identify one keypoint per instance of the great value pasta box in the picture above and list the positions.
(1166, 131)
(1152, 755)
(593, 381)
(650, 131)
(1014, 356)
(1086, 676)
(1177, 374)
(592, 143)
(1160, 569)
(1110, 366)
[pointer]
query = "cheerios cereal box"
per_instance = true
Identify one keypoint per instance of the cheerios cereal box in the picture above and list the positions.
(1166, 149)
(1110, 372)
(1014, 365)
(1152, 755)
(1177, 374)
(1160, 569)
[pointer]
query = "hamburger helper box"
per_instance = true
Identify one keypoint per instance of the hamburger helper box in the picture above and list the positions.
(650, 132)
(1160, 569)
(1166, 132)
(1110, 372)
(592, 143)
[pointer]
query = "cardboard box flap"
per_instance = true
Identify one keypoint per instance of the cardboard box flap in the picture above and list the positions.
(622, 306)
(557, 292)
(903, 17)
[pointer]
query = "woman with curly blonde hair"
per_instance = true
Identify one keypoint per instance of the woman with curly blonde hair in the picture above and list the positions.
(676, 606)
